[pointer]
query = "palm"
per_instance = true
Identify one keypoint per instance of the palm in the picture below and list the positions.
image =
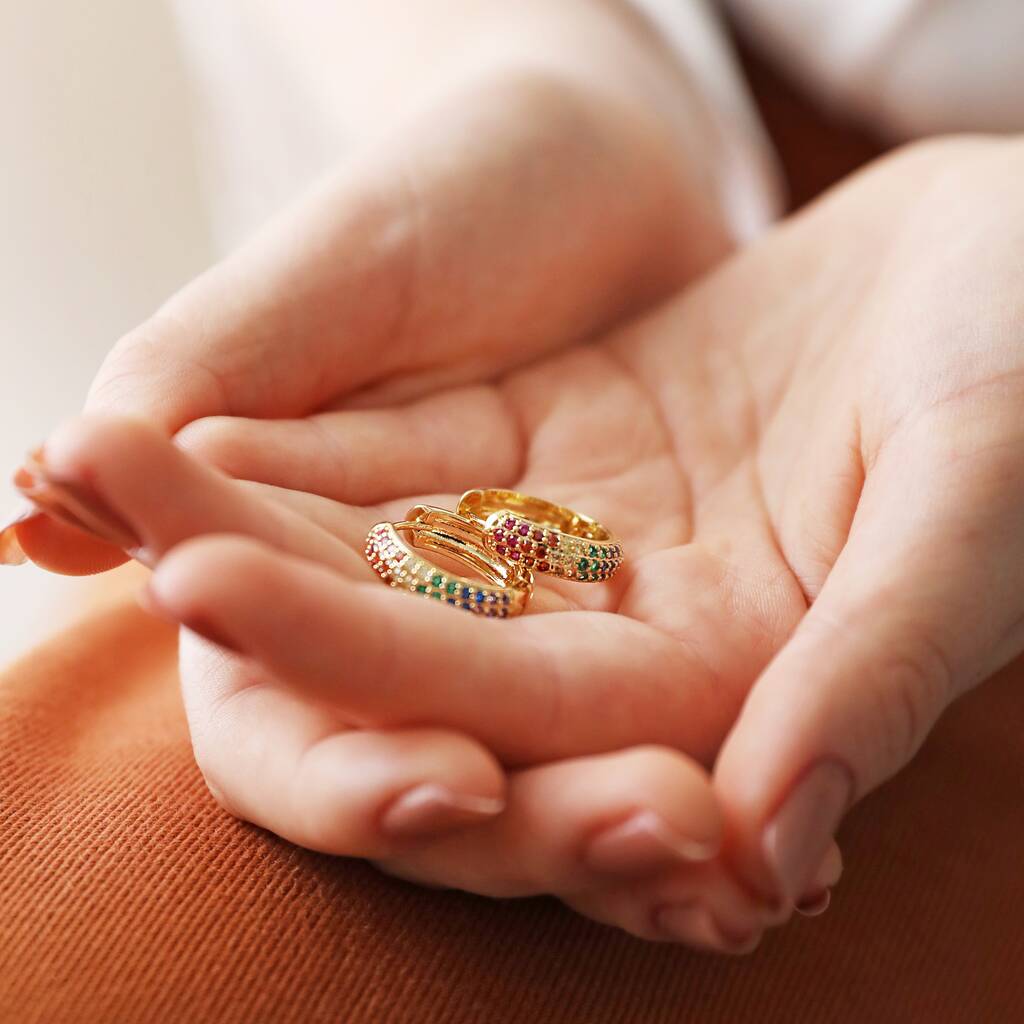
(727, 439)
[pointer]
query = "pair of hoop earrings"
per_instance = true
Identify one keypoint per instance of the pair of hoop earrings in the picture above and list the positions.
(505, 537)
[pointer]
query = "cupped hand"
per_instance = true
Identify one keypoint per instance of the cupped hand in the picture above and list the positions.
(519, 213)
(814, 459)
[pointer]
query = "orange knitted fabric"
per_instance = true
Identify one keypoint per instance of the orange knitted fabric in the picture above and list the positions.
(127, 895)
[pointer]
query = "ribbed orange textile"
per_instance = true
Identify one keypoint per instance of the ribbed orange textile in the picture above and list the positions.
(127, 895)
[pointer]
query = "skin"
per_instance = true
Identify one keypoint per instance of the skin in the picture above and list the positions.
(815, 460)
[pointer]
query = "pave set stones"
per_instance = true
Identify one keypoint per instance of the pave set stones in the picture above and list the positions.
(404, 571)
(523, 542)
(551, 551)
(600, 563)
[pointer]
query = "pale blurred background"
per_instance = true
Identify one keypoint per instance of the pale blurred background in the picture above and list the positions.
(101, 217)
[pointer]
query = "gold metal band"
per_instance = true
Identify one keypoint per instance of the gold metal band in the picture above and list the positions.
(398, 563)
(542, 536)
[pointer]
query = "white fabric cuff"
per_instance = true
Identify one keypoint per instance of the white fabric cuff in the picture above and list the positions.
(748, 175)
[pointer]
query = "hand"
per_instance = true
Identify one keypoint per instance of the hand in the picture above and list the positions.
(498, 216)
(781, 449)
(375, 771)
(527, 212)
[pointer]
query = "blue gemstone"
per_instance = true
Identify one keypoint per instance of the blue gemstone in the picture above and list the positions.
(479, 598)
(466, 605)
(451, 600)
(505, 598)
(465, 593)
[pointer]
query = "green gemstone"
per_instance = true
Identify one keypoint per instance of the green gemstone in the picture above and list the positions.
(421, 588)
(452, 586)
(584, 563)
(437, 580)
(436, 594)
(593, 551)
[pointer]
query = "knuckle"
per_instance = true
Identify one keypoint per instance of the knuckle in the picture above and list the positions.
(913, 682)
(202, 571)
(97, 445)
(133, 356)
(212, 439)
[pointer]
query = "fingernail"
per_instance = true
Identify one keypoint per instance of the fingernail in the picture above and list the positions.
(643, 843)
(797, 838)
(695, 925)
(11, 552)
(814, 905)
(830, 871)
(73, 503)
(24, 479)
(431, 810)
(683, 922)
(736, 942)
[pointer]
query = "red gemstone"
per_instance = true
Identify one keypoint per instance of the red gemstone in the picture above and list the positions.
(514, 555)
(499, 535)
(541, 551)
(538, 535)
(500, 548)
(528, 562)
(513, 541)
(523, 530)
(510, 524)
(552, 540)
(544, 567)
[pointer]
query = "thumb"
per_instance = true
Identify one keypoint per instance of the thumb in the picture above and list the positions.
(925, 600)
(513, 218)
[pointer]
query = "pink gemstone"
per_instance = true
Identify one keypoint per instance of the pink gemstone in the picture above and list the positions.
(512, 541)
(499, 535)
(523, 530)
(500, 548)
(538, 535)
(510, 524)
(514, 555)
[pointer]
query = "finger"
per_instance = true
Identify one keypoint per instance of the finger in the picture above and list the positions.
(431, 255)
(701, 906)
(924, 601)
(57, 547)
(535, 688)
(578, 823)
(128, 484)
(297, 769)
(446, 442)
(56, 540)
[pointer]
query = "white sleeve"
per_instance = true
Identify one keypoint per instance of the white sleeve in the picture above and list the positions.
(908, 67)
(749, 177)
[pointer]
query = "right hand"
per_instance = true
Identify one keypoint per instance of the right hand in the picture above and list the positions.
(515, 216)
